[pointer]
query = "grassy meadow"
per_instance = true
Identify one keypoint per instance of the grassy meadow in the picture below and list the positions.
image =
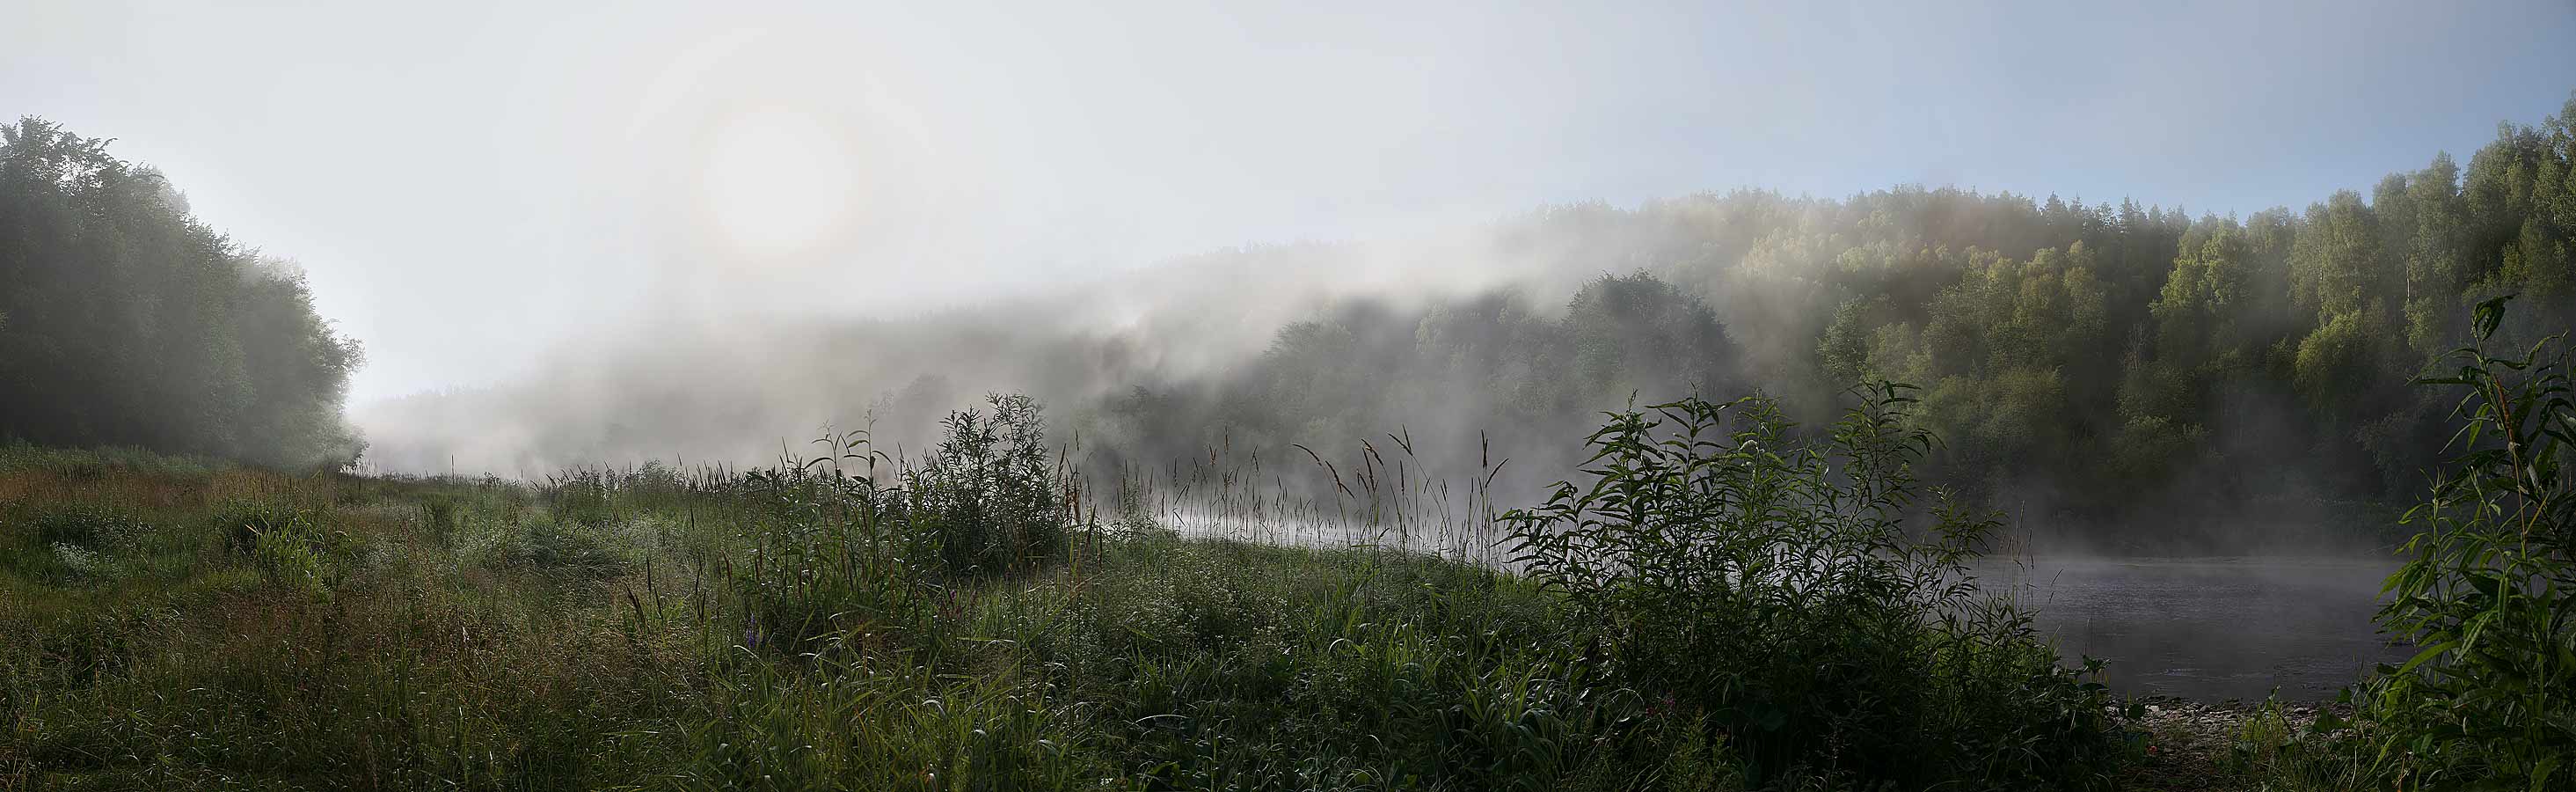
(960, 621)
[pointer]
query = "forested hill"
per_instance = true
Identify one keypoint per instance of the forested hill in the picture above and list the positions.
(124, 321)
(2082, 363)
(2098, 362)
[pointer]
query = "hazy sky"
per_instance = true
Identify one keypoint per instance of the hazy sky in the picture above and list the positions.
(472, 184)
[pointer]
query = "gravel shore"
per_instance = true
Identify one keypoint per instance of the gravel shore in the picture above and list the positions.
(2187, 742)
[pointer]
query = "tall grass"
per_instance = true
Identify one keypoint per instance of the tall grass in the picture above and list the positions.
(1768, 585)
(973, 619)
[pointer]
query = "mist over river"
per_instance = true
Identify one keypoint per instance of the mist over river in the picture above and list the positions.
(2205, 628)
(2211, 628)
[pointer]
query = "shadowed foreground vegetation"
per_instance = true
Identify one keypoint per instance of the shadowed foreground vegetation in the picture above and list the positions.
(2488, 592)
(850, 622)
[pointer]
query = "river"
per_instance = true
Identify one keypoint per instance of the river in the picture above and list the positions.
(2210, 629)
(2202, 628)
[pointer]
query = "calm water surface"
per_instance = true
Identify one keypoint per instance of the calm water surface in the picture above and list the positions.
(2201, 628)
(2211, 628)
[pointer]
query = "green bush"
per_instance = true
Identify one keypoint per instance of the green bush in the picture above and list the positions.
(301, 558)
(988, 500)
(242, 522)
(292, 547)
(2489, 594)
(1733, 571)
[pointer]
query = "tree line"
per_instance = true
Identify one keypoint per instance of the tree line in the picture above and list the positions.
(2105, 359)
(2097, 360)
(125, 321)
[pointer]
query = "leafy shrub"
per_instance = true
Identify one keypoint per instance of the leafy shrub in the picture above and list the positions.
(292, 547)
(988, 500)
(2488, 592)
(302, 557)
(242, 522)
(1770, 584)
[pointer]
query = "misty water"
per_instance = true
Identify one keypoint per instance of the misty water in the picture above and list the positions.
(2211, 628)
(2205, 628)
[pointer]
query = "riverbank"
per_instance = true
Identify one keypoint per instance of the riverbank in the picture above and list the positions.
(187, 625)
(2194, 746)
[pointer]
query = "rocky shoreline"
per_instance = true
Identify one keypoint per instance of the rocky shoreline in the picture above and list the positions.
(2188, 742)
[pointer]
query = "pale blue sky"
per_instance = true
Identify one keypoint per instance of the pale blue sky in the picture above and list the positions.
(471, 183)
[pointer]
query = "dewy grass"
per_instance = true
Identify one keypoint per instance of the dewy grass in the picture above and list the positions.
(861, 622)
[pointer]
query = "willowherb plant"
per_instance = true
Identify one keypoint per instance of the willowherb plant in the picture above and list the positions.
(2488, 591)
(988, 496)
(1771, 584)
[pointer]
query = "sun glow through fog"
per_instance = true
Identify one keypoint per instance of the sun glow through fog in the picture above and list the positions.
(778, 181)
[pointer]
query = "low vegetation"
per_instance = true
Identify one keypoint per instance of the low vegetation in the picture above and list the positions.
(854, 621)
(1766, 586)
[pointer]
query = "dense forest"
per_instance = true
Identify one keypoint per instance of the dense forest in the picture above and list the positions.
(2080, 361)
(2085, 366)
(125, 321)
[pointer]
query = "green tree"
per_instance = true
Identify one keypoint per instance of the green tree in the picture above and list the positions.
(130, 323)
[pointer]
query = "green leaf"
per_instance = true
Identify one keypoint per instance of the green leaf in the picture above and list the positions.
(2420, 658)
(2488, 315)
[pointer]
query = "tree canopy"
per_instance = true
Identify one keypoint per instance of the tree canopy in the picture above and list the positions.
(2119, 358)
(125, 321)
